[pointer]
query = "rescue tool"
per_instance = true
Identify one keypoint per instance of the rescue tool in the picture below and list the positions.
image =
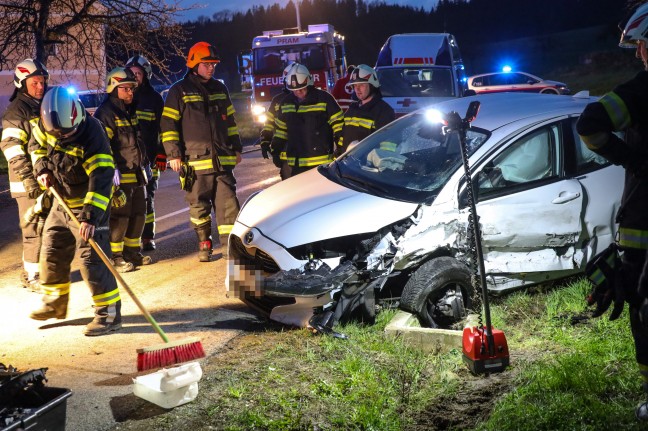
(484, 348)
(157, 356)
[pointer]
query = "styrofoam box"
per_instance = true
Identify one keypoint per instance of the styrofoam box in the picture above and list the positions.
(170, 387)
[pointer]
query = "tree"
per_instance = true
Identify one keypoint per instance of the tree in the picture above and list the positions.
(90, 35)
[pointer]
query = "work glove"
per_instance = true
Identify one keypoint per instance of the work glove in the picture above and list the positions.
(339, 150)
(187, 177)
(276, 159)
(41, 208)
(32, 187)
(118, 199)
(161, 162)
(603, 272)
(116, 178)
(265, 149)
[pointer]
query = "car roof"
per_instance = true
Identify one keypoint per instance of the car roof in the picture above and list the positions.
(503, 73)
(500, 109)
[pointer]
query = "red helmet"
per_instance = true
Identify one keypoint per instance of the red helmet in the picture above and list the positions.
(202, 52)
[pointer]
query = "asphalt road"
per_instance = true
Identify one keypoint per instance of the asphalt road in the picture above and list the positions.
(186, 297)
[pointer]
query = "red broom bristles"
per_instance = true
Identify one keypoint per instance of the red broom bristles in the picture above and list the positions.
(163, 355)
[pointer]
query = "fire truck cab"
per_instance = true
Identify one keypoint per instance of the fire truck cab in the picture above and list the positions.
(320, 49)
(419, 69)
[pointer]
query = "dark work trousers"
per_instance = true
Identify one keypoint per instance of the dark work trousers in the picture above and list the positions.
(632, 265)
(60, 241)
(31, 238)
(217, 192)
(149, 224)
(127, 222)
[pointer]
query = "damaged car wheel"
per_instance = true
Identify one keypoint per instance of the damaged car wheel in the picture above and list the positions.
(439, 292)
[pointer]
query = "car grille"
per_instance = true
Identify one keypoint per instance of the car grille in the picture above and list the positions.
(259, 260)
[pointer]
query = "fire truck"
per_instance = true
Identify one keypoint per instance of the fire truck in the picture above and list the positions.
(320, 48)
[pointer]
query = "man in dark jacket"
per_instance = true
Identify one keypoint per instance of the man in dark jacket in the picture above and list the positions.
(118, 116)
(72, 154)
(149, 105)
(30, 81)
(201, 140)
(626, 109)
(308, 124)
(369, 113)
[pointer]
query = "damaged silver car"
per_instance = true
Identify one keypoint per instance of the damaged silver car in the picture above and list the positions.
(388, 219)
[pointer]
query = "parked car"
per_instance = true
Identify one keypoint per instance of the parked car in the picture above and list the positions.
(514, 81)
(388, 219)
(91, 99)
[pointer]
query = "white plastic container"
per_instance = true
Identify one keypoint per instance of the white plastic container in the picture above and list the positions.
(170, 387)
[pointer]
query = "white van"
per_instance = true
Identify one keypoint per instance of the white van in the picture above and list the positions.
(419, 69)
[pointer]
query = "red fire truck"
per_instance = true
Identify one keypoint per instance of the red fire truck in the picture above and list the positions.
(320, 48)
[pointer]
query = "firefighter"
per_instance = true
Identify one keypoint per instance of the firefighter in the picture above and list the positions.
(626, 109)
(71, 152)
(308, 124)
(149, 105)
(369, 113)
(202, 144)
(30, 81)
(269, 127)
(118, 115)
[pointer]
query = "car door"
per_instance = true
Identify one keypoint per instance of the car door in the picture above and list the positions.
(529, 212)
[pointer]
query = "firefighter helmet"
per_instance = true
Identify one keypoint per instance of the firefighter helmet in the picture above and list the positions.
(364, 74)
(286, 70)
(635, 28)
(298, 77)
(28, 68)
(142, 63)
(61, 112)
(202, 52)
(119, 76)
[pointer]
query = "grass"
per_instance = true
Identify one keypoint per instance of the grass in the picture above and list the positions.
(568, 372)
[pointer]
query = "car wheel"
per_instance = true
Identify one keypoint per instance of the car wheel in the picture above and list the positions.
(549, 91)
(439, 292)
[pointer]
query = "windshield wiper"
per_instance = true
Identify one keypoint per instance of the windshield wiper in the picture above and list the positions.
(364, 185)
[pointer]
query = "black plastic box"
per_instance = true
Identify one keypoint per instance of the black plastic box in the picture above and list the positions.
(47, 416)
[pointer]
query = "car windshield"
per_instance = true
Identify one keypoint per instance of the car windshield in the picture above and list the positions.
(416, 82)
(274, 59)
(409, 160)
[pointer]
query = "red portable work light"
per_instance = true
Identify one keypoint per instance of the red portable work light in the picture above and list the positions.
(477, 352)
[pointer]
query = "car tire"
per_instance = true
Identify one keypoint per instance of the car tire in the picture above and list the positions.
(441, 281)
(549, 91)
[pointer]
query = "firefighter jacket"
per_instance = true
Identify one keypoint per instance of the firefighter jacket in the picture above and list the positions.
(122, 128)
(82, 165)
(307, 130)
(361, 121)
(269, 127)
(624, 109)
(17, 124)
(198, 125)
(149, 105)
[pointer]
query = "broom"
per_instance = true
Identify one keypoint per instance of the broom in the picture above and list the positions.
(157, 356)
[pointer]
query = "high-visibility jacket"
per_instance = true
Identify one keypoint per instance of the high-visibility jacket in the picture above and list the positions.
(307, 130)
(17, 124)
(122, 127)
(82, 165)
(624, 109)
(269, 126)
(148, 105)
(198, 125)
(361, 121)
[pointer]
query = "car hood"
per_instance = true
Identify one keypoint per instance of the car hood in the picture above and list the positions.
(309, 207)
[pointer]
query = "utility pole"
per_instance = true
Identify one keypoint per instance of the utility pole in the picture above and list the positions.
(298, 17)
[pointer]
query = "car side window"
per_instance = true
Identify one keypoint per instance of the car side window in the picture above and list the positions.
(477, 82)
(529, 159)
(498, 79)
(586, 159)
(517, 79)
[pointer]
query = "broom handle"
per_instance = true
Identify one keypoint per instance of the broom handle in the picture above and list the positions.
(111, 268)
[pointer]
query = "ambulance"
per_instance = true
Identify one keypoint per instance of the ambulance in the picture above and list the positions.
(419, 69)
(320, 49)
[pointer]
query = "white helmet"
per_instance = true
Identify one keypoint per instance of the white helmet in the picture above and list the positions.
(28, 68)
(119, 76)
(61, 112)
(636, 28)
(298, 77)
(141, 62)
(364, 74)
(286, 70)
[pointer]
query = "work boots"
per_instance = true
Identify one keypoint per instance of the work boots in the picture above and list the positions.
(137, 259)
(99, 326)
(33, 284)
(205, 251)
(56, 309)
(148, 244)
(223, 245)
(121, 265)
